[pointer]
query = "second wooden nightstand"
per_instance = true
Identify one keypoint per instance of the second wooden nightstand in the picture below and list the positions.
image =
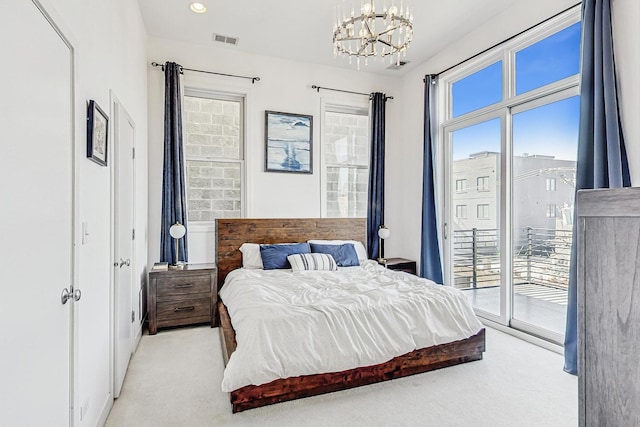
(182, 297)
(400, 264)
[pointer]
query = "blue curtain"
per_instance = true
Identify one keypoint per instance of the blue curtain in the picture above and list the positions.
(430, 265)
(174, 206)
(375, 207)
(602, 159)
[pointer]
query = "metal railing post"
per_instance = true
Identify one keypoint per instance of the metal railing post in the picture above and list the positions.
(529, 253)
(474, 256)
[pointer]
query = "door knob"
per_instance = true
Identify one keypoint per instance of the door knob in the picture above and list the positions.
(76, 294)
(65, 296)
(126, 262)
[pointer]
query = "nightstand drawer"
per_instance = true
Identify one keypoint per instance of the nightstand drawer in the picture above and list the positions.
(188, 284)
(181, 308)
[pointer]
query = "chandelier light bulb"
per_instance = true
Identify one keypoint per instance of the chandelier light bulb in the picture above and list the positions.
(366, 9)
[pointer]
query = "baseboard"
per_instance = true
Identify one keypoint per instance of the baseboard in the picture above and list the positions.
(136, 340)
(102, 419)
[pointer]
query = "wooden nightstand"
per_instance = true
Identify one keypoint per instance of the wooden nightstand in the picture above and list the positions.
(182, 297)
(400, 264)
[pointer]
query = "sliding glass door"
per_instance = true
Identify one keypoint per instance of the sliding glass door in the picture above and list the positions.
(545, 139)
(475, 153)
(509, 141)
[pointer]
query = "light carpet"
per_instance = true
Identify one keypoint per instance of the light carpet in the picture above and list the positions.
(174, 380)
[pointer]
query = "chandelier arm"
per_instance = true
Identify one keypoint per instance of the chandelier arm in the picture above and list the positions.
(381, 33)
(366, 24)
(362, 48)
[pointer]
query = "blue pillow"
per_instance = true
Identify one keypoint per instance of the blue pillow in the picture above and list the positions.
(345, 254)
(275, 256)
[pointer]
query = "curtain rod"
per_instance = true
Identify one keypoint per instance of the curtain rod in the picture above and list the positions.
(504, 41)
(317, 88)
(253, 79)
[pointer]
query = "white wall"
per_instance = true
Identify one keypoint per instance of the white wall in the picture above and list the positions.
(626, 46)
(110, 43)
(284, 86)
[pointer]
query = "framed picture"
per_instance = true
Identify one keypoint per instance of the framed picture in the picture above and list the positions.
(289, 142)
(97, 130)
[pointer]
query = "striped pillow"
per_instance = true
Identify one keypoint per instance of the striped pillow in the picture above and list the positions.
(302, 262)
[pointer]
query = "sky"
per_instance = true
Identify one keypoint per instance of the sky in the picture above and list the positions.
(548, 130)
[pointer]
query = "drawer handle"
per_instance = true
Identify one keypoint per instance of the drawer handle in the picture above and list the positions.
(186, 285)
(179, 309)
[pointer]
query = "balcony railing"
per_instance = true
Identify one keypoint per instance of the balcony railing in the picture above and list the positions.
(541, 257)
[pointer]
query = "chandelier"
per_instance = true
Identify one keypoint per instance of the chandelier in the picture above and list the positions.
(372, 33)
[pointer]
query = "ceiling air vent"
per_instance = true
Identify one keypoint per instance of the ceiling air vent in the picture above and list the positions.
(395, 65)
(225, 39)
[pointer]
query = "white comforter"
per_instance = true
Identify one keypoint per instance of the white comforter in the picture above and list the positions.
(289, 324)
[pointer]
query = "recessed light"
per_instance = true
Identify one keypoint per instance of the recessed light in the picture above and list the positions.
(197, 7)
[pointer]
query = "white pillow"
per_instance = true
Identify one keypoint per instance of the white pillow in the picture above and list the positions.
(251, 257)
(360, 250)
(314, 261)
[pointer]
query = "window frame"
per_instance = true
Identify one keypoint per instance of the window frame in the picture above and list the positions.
(484, 206)
(346, 105)
(463, 210)
(463, 186)
(195, 92)
(551, 184)
(483, 188)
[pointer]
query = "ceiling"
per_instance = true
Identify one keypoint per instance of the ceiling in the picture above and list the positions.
(301, 30)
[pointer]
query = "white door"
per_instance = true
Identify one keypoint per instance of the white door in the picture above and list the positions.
(124, 131)
(36, 213)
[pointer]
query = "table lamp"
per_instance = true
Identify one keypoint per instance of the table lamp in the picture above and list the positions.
(383, 233)
(177, 231)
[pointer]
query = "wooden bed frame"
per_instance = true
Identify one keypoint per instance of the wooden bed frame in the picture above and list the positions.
(231, 233)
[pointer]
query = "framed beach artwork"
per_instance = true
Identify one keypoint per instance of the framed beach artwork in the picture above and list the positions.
(288, 142)
(97, 129)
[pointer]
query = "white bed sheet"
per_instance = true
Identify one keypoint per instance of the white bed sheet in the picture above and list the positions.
(289, 324)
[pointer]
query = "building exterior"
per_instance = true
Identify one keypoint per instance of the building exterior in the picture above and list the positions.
(543, 190)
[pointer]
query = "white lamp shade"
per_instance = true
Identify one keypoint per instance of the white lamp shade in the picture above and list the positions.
(384, 232)
(177, 231)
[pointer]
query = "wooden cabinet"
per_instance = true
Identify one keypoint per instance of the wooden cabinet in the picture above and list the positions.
(400, 264)
(182, 297)
(608, 237)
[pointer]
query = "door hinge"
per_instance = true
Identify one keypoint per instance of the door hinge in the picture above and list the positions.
(134, 152)
(133, 234)
(133, 316)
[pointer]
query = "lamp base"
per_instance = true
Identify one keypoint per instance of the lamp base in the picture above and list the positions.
(382, 261)
(178, 266)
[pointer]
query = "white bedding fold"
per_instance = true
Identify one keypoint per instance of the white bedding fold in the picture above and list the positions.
(300, 323)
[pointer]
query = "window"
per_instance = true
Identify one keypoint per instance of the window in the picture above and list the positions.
(483, 211)
(483, 183)
(461, 185)
(478, 90)
(461, 211)
(510, 121)
(551, 184)
(345, 149)
(549, 60)
(214, 155)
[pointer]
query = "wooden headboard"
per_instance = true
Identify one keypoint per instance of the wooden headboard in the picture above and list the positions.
(231, 233)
